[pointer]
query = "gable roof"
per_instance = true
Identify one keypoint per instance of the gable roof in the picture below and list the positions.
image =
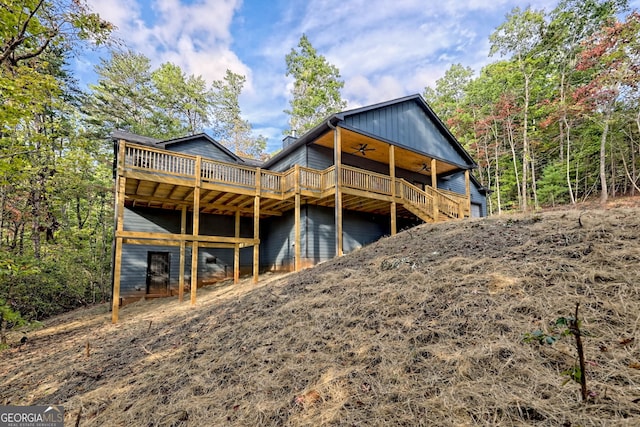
(132, 137)
(190, 138)
(419, 124)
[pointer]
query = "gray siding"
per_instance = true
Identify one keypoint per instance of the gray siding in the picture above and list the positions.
(276, 242)
(321, 242)
(201, 147)
(296, 157)
(133, 281)
(456, 183)
(409, 125)
(317, 235)
(358, 229)
(212, 263)
(319, 157)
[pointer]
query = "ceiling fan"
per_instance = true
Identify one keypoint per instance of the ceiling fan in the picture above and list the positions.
(362, 149)
(424, 168)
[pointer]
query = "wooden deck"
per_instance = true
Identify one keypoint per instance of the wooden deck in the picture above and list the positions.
(161, 179)
(156, 178)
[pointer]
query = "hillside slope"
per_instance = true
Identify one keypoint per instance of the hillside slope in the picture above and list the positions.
(423, 328)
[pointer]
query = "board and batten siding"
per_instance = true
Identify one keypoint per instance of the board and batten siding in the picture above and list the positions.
(406, 124)
(359, 229)
(319, 157)
(277, 239)
(212, 263)
(456, 183)
(201, 147)
(297, 156)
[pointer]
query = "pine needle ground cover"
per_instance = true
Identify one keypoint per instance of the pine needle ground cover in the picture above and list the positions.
(423, 328)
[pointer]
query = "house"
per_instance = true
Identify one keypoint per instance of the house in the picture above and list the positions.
(189, 211)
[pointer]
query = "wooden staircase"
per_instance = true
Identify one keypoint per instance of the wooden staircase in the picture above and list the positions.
(430, 205)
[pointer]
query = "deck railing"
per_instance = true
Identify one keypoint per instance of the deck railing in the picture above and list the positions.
(360, 179)
(152, 159)
(281, 184)
(415, 196)
(270, 182)
(220, 172)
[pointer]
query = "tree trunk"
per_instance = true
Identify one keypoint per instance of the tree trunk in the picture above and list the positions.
(514, 158)
(604, 195)
(534, 188)
(568, 162)
(525, 143)
(498, 202)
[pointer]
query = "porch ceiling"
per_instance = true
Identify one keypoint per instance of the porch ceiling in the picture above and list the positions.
(171, 196)
(378, 151)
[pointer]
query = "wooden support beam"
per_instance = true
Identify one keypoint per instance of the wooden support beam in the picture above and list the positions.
(256, 237)
(154, 177)
(337, 148)
(213, 206)
(365, 194)
(117, 262)
(117, 269)
(236, 251)
(392, 174)
(467, 185)
(247, 241)
(196, 229)
(121, 156)
(256, 226)
(297, 239)
(183, 253)
(434, 185)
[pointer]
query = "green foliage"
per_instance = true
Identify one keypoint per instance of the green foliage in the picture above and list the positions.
(562, 327)
(553, 185)
(231, 129)
(316, 87)
(31, 28)
(55, 179)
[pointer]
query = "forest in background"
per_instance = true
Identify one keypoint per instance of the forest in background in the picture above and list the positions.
(555, 119)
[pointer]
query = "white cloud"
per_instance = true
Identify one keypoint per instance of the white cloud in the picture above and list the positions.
(195, 36)
(383, 51)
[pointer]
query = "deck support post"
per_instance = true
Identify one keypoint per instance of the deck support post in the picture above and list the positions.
(337, 161)
(117, 262)
(296, 245)
(467, 185)
(256, 227)
(236, 250)
(434, 185)
(183, 251)
(392, 174)
(196, 229)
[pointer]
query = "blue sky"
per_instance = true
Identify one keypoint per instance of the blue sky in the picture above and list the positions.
(383, 49)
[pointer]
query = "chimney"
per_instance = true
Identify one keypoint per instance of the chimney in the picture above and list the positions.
(289, 139)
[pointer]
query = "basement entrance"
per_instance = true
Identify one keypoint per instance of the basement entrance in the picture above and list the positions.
(158, 273)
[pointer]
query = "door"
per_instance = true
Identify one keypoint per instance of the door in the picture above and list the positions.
(157, 272)
(476, 210)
